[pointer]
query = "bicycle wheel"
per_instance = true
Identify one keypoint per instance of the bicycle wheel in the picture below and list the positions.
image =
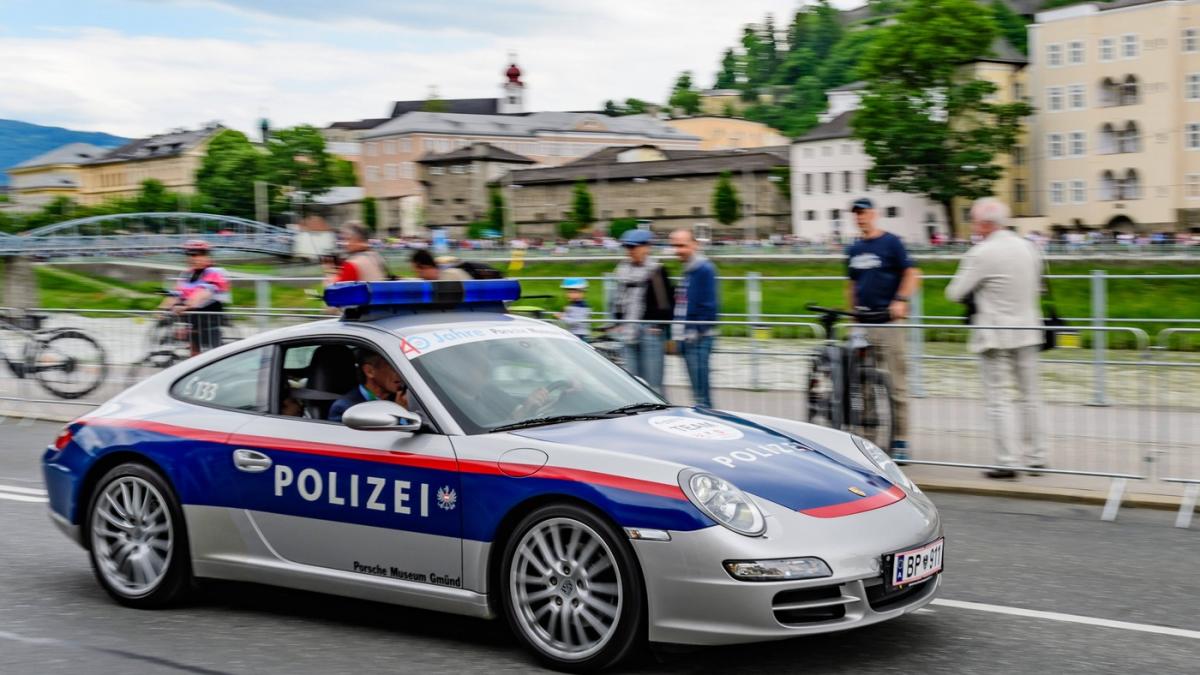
(69, 363)
(150, 364)
(871, 413)
(821, 395)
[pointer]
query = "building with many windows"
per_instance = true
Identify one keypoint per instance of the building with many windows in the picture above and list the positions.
(37, 181)
(1117, 132)
(171, 158)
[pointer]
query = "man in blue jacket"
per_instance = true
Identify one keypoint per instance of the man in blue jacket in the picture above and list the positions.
(695, 300)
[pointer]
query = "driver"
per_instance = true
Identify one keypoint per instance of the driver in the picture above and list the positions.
(497, 405)
(379, 382)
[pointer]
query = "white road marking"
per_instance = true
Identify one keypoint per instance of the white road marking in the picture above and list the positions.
(1069, 618)
(23, 490)
(22, 498)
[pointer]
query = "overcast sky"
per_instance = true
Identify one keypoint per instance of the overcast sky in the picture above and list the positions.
(137, 67)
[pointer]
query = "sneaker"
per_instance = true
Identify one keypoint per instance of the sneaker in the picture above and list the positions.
(1000, 473)
(899, 451)
(1034, 467)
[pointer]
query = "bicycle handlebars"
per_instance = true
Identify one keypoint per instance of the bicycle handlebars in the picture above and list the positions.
(866, 316)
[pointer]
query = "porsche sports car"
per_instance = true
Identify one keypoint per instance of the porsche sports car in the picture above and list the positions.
(489, 465)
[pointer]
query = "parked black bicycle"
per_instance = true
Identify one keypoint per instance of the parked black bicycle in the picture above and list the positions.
(66, 362)
(846, 388)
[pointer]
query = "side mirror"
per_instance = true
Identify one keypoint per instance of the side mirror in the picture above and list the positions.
(381, 416)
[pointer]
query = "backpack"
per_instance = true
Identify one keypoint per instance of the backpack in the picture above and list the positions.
(478, 270)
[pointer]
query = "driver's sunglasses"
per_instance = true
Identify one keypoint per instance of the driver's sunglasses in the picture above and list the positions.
(193, 254)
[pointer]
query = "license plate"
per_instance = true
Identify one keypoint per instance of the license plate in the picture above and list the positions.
(916, 564)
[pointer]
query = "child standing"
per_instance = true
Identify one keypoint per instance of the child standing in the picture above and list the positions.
(577, 312)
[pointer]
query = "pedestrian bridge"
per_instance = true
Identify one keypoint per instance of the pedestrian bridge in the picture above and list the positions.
(127, 234)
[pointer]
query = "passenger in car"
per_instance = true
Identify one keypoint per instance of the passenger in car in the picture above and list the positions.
(379, 381)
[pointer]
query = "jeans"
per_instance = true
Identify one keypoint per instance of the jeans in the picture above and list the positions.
(644, 355)
(999, 367)
(697, 351)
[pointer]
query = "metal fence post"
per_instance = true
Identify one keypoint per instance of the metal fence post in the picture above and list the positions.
(916, 341)
(754, 310)
(610, 288)
(1099, 338)
(262, 302)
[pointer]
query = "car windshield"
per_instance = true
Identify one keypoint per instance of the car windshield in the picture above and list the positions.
(494, 384)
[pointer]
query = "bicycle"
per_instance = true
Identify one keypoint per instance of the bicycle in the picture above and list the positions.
(66, 362)
(168, 341)
(846, 388)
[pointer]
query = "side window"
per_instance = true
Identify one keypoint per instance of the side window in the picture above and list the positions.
(239, 382)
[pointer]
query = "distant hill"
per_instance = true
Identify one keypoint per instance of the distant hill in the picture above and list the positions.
(20, 141)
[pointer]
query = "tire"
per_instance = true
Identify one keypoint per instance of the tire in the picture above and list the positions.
(871, 414)
(595, 586)
(69, 364)
(138, 539)
(821, 392)
(150, 365)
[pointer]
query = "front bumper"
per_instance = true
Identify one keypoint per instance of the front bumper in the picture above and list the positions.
(693, 600)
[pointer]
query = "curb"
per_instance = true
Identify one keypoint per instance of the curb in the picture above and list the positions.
(1069, 495)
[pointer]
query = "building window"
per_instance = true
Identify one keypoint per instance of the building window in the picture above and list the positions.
(436, 171)
(827, 182)
(1018, 155)
(808, 152)
(438, 201)
(1078, 141)
(827, 151)
(372, 149)
(892, 212)
(1078, 191)
(835, 214)
(847, 182)
(389, 171)
(847, 149)
(1192, 87)
(659, 213)
(1054, 99)
(1075, 97)
(405, 146)
(810, 215)
(697, 210)
(1193, 136)
(460, 200)
(1055, 142)
(1189, 42)
(1056, 192)
(1129, 46)
(372, 173)
(406, 170)
(631, 213)
(389, 148)
(1019, 191)
(808, 183)
(1054, 55)
(1075, 52)
(1108, 51)
(1192, 185)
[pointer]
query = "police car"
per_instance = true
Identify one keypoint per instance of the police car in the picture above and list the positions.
(509, 471)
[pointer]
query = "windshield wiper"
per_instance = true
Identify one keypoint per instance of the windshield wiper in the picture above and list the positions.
(542, 421)
(635, 408)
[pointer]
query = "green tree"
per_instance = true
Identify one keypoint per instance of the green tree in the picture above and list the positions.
(228, 172)
(925, 119)
(567, 229)
(826, 28)
(619, 226)
(727, 77)
(495, 216)
(343, 173)
(370, 213)
(583, 211)
(1012, 27)
(684, 95)
(726, 205)
(297, 158)
(635, 106)
(154, 197)
(728, 110)
(612, 109)
(476, 229)
(435, 104)
(782, 176)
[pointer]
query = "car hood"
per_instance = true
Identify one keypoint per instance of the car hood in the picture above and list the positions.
(791, 471)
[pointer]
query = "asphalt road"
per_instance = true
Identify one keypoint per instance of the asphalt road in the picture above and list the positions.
(1004, 555)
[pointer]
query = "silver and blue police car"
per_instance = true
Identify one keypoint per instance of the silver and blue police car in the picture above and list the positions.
(514, 473)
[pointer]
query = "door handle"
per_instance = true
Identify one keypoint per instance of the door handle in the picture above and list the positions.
(251, 461)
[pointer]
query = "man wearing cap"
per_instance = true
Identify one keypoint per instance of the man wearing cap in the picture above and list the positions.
(882, 279)
(200, 294)
(643, 294)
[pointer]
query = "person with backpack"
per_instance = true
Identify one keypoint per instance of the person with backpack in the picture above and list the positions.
(642, 293)
(362, 262)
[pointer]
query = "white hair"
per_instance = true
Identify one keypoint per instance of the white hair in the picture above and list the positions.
(991, 210)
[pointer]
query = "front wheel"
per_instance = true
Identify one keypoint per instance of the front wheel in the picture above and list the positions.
(137, 538)
(871, 413)
(69, 364)
(822, 393)
(572, 590)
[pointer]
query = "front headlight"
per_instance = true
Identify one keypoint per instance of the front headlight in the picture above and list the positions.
(720, 500)
(786, 569)
(884, 461)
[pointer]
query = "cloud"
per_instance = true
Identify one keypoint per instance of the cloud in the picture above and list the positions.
(138, 84)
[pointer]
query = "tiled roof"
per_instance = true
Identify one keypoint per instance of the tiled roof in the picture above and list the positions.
(170, 144)
(357, 125)
(838, 127)
(476, 151)
(461, 106)
(529, 125)
(71, 153)
(708, 163)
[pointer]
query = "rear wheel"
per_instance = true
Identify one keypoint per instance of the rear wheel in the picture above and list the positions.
(68, 363)
(821, 396)
(871, 412)
(137, 538)
(571, 589)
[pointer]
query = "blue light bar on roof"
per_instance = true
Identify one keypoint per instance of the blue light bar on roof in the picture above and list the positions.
(418, 293)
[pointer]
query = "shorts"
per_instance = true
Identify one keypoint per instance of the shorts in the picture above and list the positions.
(204, 331)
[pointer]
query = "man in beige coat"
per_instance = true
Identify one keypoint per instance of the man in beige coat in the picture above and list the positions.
(1003, 274)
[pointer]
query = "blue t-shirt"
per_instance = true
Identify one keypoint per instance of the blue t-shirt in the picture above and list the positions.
(876, 267)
